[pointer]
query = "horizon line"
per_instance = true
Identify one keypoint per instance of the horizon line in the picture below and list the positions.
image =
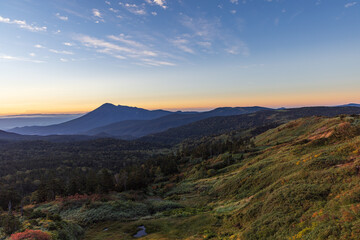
(184, 109)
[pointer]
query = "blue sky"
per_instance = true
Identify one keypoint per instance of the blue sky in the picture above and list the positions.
(71, 56)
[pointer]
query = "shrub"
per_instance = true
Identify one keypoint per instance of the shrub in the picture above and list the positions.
(37, 214)
(10, 224)
(31, 235)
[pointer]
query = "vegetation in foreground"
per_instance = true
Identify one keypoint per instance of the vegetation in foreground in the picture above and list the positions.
(297, 181)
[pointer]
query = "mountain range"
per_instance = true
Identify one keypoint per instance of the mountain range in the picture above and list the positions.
(128, 122)
(165, 127)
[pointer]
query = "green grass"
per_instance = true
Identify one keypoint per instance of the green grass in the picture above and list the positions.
(301, 183)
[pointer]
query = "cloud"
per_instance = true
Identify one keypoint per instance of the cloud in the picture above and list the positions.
(113, 10)
(63, 60)
(98, 43)
(61, 52)
(20, 59)
(64, 18)
(238, 47)
(122, 38)
(182, 44)
(201, 27)
(205, 44)
(32, 54)
(161, 3)
(125, 48)
(234, 1)
(68, 44)
(39, 46)
(23, 24)
(111, 48)
(154, 13)
(133, 8)
(350, 4)
(96, 13)
(108, 3)
(156, 63)
(233, 11)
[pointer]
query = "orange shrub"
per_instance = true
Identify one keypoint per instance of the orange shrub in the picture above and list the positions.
(30, 235)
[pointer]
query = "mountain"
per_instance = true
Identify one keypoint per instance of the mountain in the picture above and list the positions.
(350, 105)
(261, 119)
(139, 128)
(104, 115)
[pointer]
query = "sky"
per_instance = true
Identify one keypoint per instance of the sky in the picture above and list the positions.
(64, 56)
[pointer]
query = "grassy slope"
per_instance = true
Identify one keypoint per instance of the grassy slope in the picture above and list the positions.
(302, 182)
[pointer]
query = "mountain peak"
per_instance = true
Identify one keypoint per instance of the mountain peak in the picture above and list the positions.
(107, 105)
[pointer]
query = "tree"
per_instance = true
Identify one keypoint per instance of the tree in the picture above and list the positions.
(106, 182)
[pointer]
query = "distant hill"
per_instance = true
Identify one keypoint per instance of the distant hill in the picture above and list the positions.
(350, 105)
(6, 136)
(9, 122)
(14, 137)
(219, 125)
(104, 115)
(141, 128)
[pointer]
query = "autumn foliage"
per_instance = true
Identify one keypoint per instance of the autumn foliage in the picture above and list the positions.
(31, 235)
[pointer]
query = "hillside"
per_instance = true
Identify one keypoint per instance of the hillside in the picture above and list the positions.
(139, 128)
(104, 115)
(265, 119)
(299, 182)
(296, 181)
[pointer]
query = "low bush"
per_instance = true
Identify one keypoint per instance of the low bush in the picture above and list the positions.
(31, 235)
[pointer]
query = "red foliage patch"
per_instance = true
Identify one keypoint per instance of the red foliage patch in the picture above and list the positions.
(30, 235)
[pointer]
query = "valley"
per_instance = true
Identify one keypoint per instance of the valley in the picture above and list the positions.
(283, 174)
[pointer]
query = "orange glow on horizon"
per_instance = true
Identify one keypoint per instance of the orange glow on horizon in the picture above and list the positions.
(188, 104)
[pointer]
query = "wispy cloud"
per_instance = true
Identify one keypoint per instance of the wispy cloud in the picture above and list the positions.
(23, 24)
(351, 4)
(126, 49)
(182, 44)
(133, 8)
(68, 44)
(234, 1)
(122, 38)
(157, 63)
(111, 48)
(201, 27)
(208, 31)
(238, 47)
(64, 18)
(61, 52)
(20, 59)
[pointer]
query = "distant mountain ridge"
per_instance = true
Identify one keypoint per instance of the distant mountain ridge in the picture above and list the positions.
(350, 105)
(128, 122)
(104, 115)
(262, 119)
(141, 128)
